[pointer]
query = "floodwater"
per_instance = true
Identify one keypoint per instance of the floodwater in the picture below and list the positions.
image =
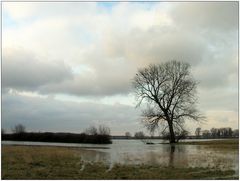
(137, 152)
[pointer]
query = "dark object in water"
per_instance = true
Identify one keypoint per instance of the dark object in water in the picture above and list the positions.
(149, 143)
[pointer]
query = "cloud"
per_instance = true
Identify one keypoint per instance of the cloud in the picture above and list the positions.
(219, 118)
(44, 114)
(217, 16)
(221, 99)
(119, 41)
(217, 72)
(91, 84)
(25, 71)
(22, 11)
(157, 44)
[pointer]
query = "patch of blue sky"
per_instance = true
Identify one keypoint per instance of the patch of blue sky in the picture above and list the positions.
(80, 69)
(8, 21)
(82, 35)
(108, 6)
(148, 5)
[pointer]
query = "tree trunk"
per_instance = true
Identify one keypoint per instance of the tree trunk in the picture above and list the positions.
(171, 156)
(172, 134)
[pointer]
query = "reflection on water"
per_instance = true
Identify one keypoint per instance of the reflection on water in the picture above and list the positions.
(136, 152)
(94, 156)
(171, 155)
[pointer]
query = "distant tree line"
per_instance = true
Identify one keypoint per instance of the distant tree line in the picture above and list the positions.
(226, 132)
(217, 133)
(137, 135)
(91, 135)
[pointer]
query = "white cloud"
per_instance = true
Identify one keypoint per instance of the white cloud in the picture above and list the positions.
(20, 11)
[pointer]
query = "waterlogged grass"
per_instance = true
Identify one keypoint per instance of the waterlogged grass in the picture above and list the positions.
(42, 162)
(229, 144)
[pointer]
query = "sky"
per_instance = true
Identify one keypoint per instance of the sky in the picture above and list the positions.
(67, 66)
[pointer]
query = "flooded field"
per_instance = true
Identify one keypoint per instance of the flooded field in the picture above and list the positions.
(124, 159)
(131, 152)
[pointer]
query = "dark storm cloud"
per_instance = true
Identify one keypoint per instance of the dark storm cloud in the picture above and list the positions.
(46, 114)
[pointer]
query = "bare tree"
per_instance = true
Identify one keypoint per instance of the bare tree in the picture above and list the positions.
(225, 132)
(169, 91)
(236, 133)
(206, 134)
(139, 135)
(128, 135)
(91, 130)
(214, 132)
(103, 130)
(19, 128)
(198, 132)
(3, 131)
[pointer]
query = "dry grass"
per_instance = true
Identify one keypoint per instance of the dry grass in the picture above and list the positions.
(42, 162)
(38, 162)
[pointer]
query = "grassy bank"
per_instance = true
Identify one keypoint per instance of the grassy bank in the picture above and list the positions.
(42, 162)
(228, 144)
